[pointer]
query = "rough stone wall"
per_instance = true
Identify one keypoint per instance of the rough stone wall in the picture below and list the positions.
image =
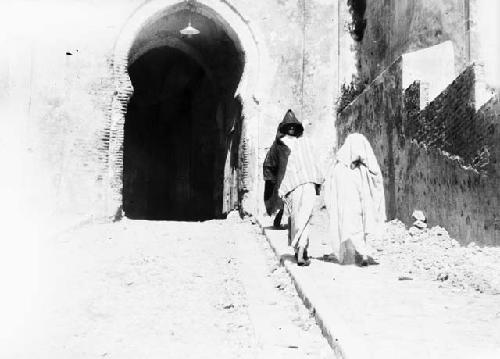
(488, 117)
(57, 82)
(450, 123)
(395, 27)
(423, 154)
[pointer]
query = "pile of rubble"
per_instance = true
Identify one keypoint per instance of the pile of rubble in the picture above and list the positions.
(432, 253)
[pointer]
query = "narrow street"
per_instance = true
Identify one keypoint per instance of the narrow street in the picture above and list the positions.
(144, 289)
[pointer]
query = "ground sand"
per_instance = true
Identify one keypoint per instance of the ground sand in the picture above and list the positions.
(138, 289)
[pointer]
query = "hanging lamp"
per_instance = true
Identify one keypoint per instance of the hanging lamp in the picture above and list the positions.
(189, 30)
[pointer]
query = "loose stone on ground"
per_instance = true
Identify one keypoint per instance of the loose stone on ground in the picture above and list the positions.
(431, 253)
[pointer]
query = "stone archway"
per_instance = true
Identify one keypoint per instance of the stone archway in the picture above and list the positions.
(248, 91)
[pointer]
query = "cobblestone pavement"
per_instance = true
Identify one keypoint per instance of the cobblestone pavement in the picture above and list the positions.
(138, 289)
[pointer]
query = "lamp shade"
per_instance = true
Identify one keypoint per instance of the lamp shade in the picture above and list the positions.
(189, 30)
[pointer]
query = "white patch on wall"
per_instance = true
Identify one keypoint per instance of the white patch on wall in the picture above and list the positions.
(433, 66)
(488, 29)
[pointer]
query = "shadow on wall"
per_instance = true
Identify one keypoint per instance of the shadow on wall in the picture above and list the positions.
(357, 25)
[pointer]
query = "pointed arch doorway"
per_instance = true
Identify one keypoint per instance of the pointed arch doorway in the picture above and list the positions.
(223, 66)
(183, 125)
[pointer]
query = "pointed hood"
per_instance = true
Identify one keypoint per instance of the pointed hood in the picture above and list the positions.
(290, 120)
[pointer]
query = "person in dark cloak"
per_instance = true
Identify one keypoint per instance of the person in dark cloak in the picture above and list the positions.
(292, 175)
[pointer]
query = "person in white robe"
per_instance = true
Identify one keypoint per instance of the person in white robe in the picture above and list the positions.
(354, 198)
(298, 186)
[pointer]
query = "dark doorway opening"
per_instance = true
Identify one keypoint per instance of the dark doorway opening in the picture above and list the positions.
(182, 132)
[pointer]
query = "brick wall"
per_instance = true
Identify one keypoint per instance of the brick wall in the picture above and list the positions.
(435, 159)
(451, 124)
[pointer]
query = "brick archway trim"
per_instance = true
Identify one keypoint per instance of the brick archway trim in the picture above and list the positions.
(249, 91)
